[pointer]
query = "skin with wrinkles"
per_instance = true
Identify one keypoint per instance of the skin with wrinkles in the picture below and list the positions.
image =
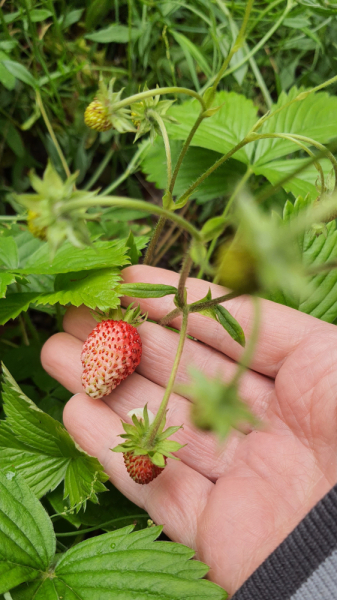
(234, 503)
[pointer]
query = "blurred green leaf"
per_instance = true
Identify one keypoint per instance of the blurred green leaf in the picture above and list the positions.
(319, 299)
(39, 14)
(114, 33)
(216, 406)
(20, 72)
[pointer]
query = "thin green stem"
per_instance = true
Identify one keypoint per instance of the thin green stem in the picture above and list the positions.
(162, 409)
(320, 147)
(296, 139)
(209, 171)
(132, 166)
(101, 526)
(184, 150)
(197, 307)
(248, 354)
(51, 133)
(154, 240)
(157, 117)
(156, 92)
(100, 168)
(299, 98)
(184, 273)
(134, 205)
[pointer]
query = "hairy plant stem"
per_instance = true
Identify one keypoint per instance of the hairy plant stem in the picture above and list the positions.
(162, 409)
(301, 96)
(265, 194)
(51, 133)
(132, 204)
(184, 273)
(157, 92)
(197, 307)
(184, 150)
(209, 171)
(154, 115)
(153, 243)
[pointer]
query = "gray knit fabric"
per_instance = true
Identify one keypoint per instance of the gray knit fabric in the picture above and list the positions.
(323, 582)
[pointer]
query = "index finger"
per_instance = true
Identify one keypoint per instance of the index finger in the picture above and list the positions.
(282, 328)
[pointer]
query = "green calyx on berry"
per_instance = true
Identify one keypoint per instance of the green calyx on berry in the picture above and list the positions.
(144, 113)
(138, 442)
(131, 315)
(101, 114)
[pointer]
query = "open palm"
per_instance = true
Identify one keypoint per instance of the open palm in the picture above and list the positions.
(234, 503)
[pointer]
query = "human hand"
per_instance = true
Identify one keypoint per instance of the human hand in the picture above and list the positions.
(234, 503)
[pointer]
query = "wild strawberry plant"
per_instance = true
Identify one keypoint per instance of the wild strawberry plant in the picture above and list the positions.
(214, 143)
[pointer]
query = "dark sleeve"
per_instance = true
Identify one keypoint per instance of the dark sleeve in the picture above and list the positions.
(304, 566)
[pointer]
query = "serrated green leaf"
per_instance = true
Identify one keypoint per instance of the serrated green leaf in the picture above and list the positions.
(14, 304)
(20, 72)
(5, 280)
(68, 258)
(95, 289)
(50, 454)
(300, 185)
(98, 569)
(197, 160)
(319, 298)
(230, 325)
(222, 131)
(314, 117)
(146, 290)
(27, 539)
(101, 568)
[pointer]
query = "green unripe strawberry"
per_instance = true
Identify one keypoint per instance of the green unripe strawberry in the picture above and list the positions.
(96, 116)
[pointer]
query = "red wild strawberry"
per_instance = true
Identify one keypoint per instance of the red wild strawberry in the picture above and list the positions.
(141, 468)
(111, 352)
(146, 450)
